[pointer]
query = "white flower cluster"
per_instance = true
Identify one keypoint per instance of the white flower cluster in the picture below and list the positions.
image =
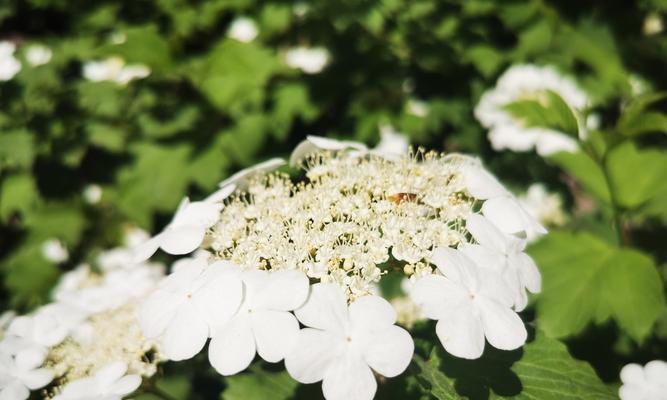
(310, 60)
(87, 343)
(9, 65)
(544, 206)
(114, 69)
(644, 383)
(528, 82)
(243, 29)
(287, 270)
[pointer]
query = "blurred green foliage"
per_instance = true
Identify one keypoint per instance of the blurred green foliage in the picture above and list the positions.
(212, 104)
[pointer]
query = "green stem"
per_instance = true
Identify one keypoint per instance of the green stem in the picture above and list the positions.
(615, 209)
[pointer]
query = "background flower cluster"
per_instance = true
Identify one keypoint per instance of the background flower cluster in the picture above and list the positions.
(111, 111)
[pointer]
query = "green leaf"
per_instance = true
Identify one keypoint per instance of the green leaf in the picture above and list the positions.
(259, 384)
(547, 110)
(235, 73)
(291, 100)
(586, 280)
(543, 369)
(155, 182)
(637, 175)
(486, 59)
(17, 193)
(16, 148)
(61, 220)
(143, 44)
(636, 120)
(585, 170)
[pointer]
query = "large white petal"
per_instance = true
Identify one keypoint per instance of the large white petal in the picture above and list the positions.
(389, 351)
(508, 216)
(285, 290)
(480, 183)
(461, 333)
(349, 378)
(106, 376)
(157, 312)
(456, 266)
(125, 385)
(263, 167)
(198, 213)
(312, 354)
(436, 296)
(502, 326)
(182, 239)
(37, 378)
(186, 334)
(219, 298)
(14, 391)
(485, 233)
(232, 347)
(371, 313)
(484, 257)
(145, 250)
(30, 358)
(221, 194)
(529, 274)
(326, 308)
(316, 143)
(275, 333)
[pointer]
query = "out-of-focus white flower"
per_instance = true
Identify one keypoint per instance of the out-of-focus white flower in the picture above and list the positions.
(300, 9)
(310, 60)
(544, 206)
(114, 69)
(418, 108)
(652, 25)
(644, 383)
(500, 207)
(263, 323)
(109, 383)
(21, 373)
(184, 233)
(117, 38)
(9, 65)
(469, 305)
(135, 236)
(342, 345)
(187, 305)
(527, 81)
(243, 29)
(318, 143)
(92, 194)
(38, 55)
(47, 326)
(393, 144)
(504, 254)
(54, 251)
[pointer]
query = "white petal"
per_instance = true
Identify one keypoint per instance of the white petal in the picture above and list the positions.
(502, 326)
(326, 308)
(186, 334)
(110, 373)
(461, 333)
(182, 239)
(315, 143)
(632, 373)
(260, 168)
(275, 333)
(485, 233)
(529, 274)
(14, 391)
(349, 378)
(456, 266)
(285, 290)
(125, 385)
(484, 257)
(371, 312)
(311, 356)
(221, 194)
(508, 216)
(197, 213)
(30, 358)
(37, 378)
(157, 312)
(232, 347)
(389, 351)
(220, 298)
(145, 250)
(480, 183)
(436, 296)
(656, 371)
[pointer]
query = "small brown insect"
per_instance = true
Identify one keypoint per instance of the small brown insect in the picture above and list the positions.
(398, 198)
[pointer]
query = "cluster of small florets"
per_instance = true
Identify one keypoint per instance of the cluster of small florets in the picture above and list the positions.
(87, 342)
(348, 219)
